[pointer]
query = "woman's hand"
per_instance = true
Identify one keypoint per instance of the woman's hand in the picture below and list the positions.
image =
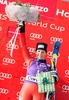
(21, 24)
(55, 75)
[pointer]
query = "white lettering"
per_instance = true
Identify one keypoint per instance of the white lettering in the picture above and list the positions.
(3, 17)
(62, 13)
(46, 9)
(17, 94)
(40, 24)
(41, 9)
(67, 14)
(54, 27)
(4, 2)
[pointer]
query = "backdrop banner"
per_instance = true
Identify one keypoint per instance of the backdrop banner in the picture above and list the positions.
(53, 26)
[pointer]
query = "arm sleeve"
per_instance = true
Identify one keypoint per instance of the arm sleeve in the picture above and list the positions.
(27, 57)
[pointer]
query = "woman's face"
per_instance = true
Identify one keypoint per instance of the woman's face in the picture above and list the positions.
(40, 54)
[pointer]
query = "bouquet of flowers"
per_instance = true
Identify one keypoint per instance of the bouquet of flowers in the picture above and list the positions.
(22, 12)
